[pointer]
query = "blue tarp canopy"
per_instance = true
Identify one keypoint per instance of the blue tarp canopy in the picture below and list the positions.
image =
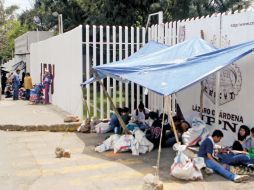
(174, 68)
(147, 49)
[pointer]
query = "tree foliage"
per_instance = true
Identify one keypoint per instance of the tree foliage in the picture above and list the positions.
(9, 32)
(73, 15)
(10, 29)
(120, 12)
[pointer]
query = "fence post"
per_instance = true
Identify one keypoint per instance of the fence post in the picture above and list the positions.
(87, 69)
(108, 61)
(114, 59)
(126, 55)
(132, 84)
(137, 48)
(101, 63)
(143, 43)
(94, 64)
(120, 58)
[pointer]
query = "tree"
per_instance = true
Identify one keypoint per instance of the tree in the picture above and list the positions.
(9, 32)
(120, 12)
(2, 14)
(72, 13)
(207, 7)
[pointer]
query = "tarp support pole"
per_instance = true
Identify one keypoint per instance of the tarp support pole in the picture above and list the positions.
(173, 126)
(166, 106)
(159, 150)
(122, 124)
(201, 99)
(217, 98)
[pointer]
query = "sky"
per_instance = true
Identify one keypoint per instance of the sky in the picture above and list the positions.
(23, 4)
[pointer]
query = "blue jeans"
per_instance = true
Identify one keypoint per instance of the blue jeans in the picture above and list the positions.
(235, 159)
(219, 169)
(27, 94)
(170, 139)
(15, 93)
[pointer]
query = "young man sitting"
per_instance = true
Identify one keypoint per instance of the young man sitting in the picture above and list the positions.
(206, 151)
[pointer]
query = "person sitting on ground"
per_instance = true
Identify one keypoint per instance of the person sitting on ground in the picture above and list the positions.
(242, 135)
(239, 157)
(153, 132)
(181, 127)
(8, 88)
(125, 115)
(114, 120)
(206, 151)
(139, 116)
(235, 158)
(249, 142)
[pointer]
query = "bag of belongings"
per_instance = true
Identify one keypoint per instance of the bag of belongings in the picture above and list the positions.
(108, 144)
(141, 144)
(196, 134)
(85, 126)
(124, 143)
(102, 127)
(185, 168)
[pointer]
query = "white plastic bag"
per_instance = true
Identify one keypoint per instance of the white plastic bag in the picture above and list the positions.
(196, 134)
(124, 143)
(102, 127)
(141, 144)
(199, 162)
(108, 144)
(184, 168)
(94, 121)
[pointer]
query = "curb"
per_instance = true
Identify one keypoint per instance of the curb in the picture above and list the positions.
(70, 127)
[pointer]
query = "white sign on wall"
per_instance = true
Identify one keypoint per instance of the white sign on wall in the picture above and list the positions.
(237, 28)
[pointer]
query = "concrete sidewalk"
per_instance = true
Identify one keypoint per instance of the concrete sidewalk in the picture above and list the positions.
(21, 115)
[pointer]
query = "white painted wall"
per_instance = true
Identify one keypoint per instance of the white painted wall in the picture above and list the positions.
(8, 65)
(237, 28)
(65, 52)
(23, 42)
(190, 28)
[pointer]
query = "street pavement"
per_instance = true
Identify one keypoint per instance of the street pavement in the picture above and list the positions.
(28, 162)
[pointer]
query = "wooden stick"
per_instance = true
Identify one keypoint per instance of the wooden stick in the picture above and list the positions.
(122, 124)
(201, 100)
(173, 126)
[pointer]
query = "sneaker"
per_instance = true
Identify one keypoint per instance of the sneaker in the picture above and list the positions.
(241, 178)
(250, 166)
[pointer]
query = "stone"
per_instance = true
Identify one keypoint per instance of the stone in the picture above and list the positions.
(59, 152)
(71, 118)
(152, 182)
(66, 154)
